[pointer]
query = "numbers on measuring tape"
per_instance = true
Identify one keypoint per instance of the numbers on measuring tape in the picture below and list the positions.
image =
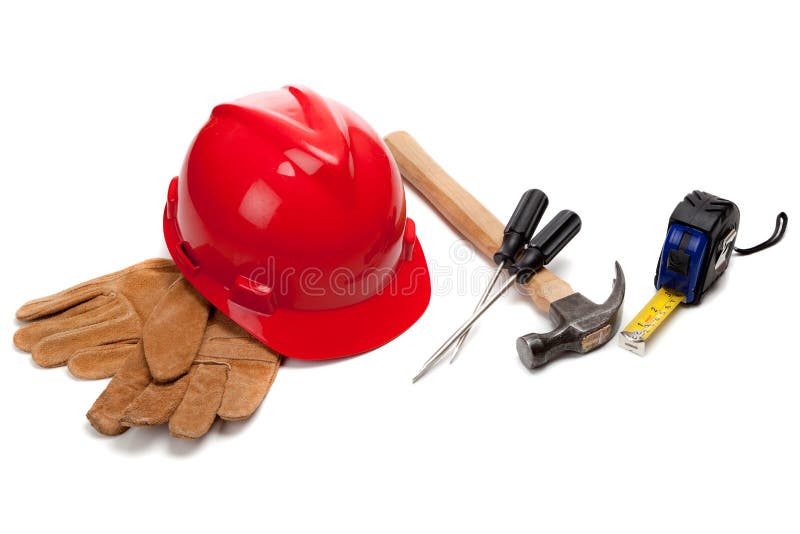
(653, 314)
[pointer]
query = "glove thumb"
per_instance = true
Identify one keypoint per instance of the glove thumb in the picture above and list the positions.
(174, 331)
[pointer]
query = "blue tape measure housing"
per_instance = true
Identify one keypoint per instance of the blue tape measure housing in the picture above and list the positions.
(700, 239)
(682, 260)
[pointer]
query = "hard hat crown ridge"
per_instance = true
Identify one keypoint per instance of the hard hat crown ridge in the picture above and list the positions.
(319, 130)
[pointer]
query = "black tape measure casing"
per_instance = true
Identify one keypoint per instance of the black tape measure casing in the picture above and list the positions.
(700, 240)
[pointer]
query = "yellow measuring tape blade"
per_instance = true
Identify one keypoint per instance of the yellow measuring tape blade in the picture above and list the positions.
(641, 327)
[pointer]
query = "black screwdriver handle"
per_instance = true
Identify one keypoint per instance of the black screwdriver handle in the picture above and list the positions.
(521, 225)
(546, 244)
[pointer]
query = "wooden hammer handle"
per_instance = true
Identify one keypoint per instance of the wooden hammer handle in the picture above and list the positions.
(462, 210)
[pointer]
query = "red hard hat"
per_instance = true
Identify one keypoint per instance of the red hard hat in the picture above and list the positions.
(289, 216)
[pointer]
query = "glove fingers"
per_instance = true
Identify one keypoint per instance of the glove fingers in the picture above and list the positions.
(89, 305)
(107, 411)
(42, 307)
(248, 383)
(104, 361)
(99, 309)
(58, 302)
(173, 333)
(156, 404)
(56, 349)
(198, 409)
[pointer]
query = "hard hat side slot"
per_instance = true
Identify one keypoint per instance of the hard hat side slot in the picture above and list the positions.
(185, 256)
(409, 239)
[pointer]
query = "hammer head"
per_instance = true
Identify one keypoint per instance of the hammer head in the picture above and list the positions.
(581, 326)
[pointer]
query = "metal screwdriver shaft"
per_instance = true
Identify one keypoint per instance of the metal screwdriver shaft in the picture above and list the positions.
(486, 293)
(518, 231)
(441, 351)
(542, 248)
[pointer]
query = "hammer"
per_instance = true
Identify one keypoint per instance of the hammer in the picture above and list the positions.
(581, 325)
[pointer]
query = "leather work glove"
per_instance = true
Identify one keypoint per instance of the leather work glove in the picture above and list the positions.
(147, 323)
(229, 377)
(96, 326)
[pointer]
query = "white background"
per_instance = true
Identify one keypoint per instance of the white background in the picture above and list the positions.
(615, 109)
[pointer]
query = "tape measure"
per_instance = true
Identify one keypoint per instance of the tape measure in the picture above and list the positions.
(700, 241)
(634, 335)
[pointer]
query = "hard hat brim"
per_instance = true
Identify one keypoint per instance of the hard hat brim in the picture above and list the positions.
(324, 334)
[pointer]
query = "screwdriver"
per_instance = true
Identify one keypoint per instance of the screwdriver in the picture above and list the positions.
(516, 234)
(543, 247)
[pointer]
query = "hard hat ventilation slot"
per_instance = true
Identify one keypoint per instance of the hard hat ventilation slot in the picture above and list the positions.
(409, 239)
(185, 256)
(253, 294)
(172, 199)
